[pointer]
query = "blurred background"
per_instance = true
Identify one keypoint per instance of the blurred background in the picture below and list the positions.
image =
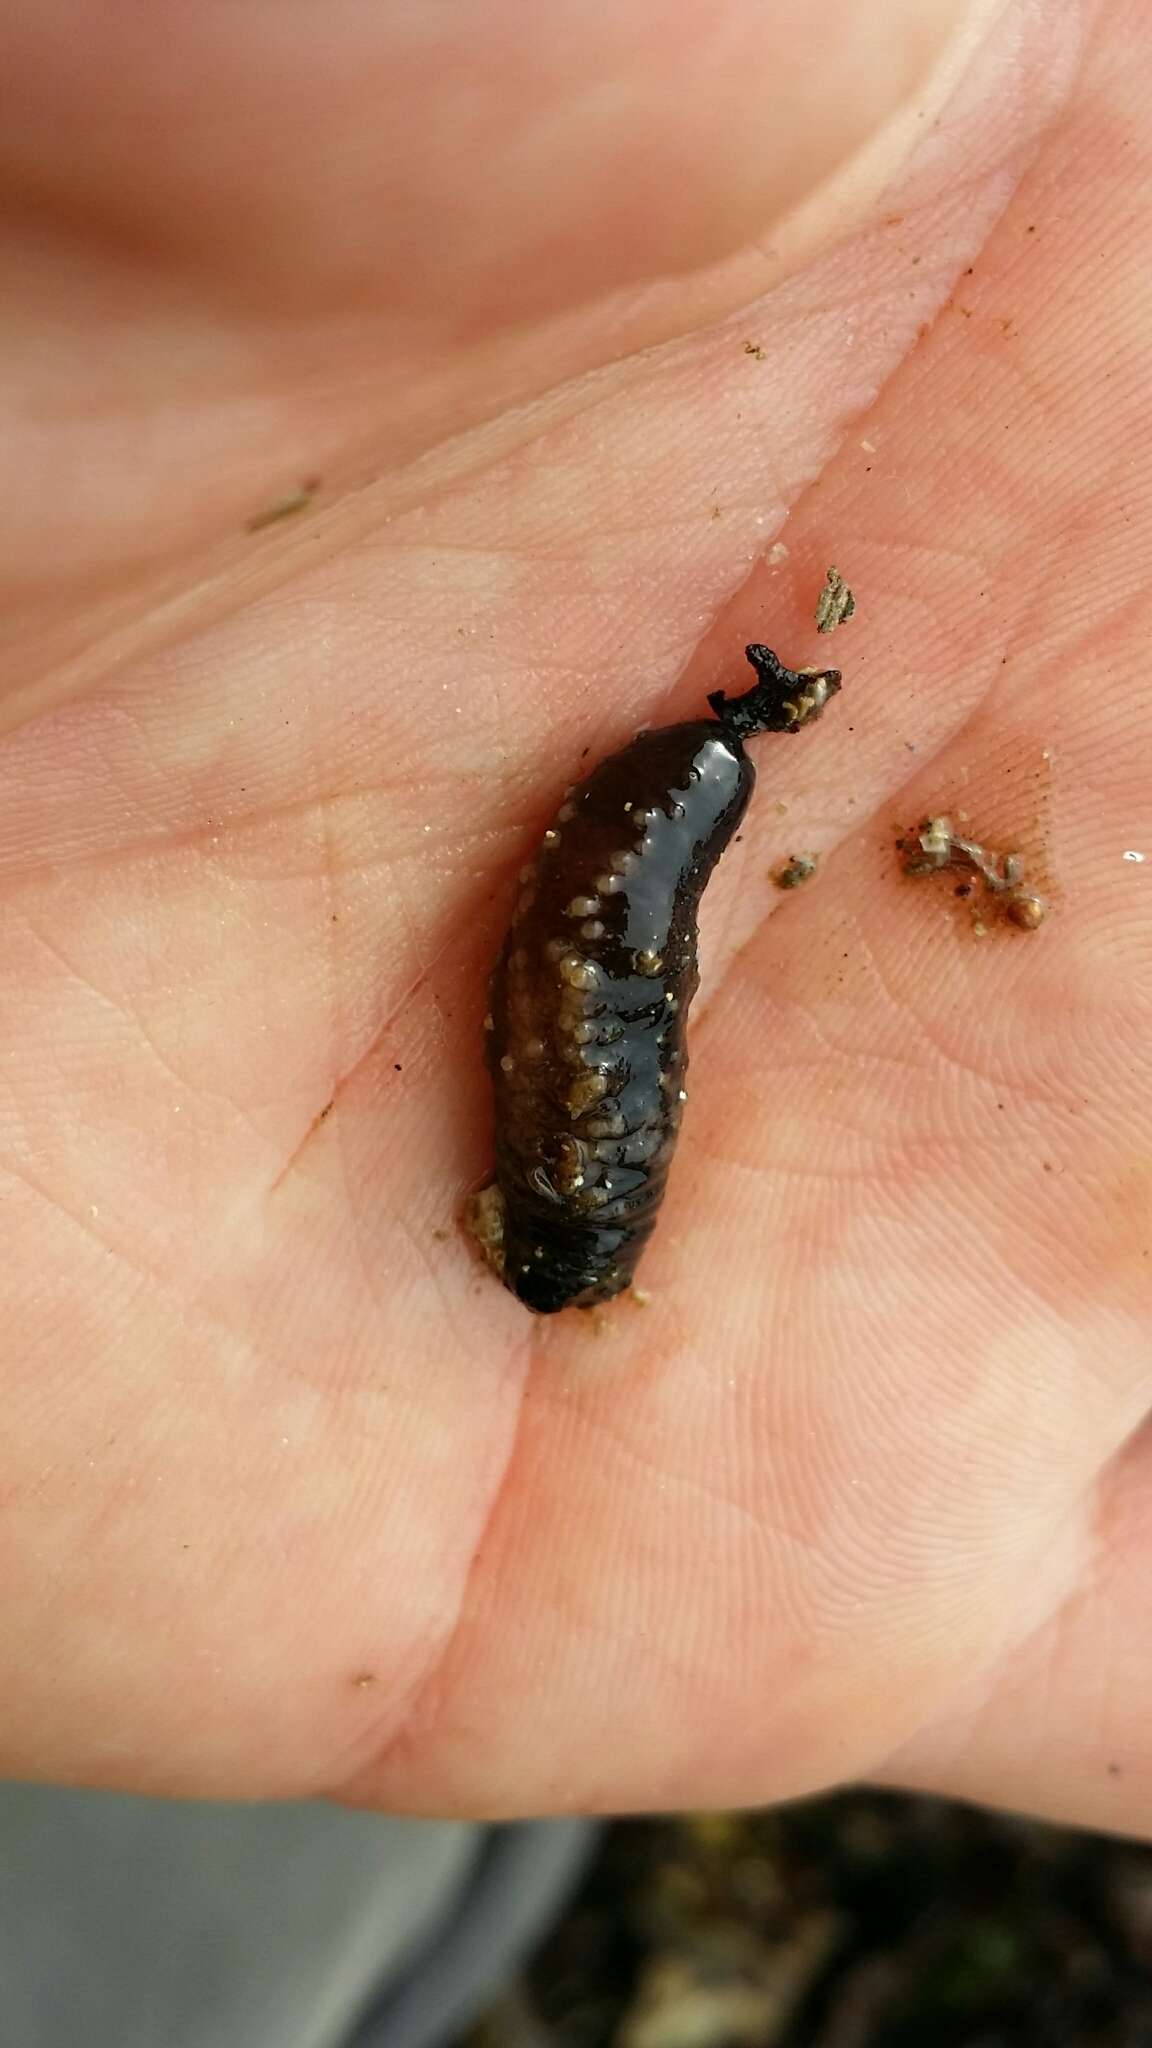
(864, 1918)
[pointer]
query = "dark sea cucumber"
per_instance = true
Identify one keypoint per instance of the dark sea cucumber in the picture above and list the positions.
(590, 996)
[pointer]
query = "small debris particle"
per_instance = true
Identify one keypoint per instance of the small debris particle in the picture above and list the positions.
(834, 604)
(753, 348)
(936, 847)
(797, 869)
(283, 508)
(1131, 854)
(364, 1678)
(777, 553)
(1026, 910)
(396, 1067)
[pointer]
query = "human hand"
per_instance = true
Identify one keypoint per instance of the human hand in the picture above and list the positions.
(297, 1499)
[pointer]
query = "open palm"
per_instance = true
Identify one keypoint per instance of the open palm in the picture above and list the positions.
(297, 1499)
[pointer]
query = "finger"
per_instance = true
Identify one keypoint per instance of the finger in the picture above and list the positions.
(484, 166)
(262, 260)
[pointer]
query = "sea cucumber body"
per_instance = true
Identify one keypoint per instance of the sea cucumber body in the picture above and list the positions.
(589, 1005)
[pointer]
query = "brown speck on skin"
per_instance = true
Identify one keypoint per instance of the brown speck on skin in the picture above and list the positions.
(284, 507)
(327, 1110)
(1026, 910)
(753, 348)
(797, 869)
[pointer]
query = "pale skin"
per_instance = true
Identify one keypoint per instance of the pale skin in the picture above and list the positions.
(297, 1500)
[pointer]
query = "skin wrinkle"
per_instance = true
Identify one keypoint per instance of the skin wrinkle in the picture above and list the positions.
(959, 1724)
(199, 838)
(767, 1528)
(942, 1056)
(140, 1269)
(132, 1263)
(196, 1088)
(426, 1686)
